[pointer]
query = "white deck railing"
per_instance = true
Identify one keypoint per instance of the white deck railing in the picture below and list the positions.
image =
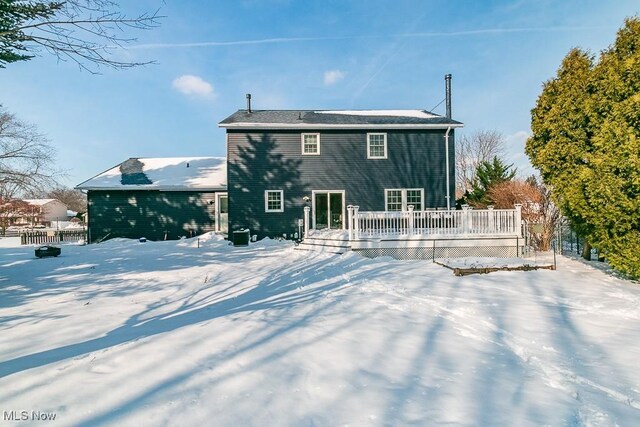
(465, 222)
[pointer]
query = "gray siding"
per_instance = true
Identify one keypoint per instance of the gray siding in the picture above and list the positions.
(273, 160)
(150, 214)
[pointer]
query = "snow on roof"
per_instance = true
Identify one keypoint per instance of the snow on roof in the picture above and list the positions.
(338, 119)
(418, 114)
(163, 173)
(40, 202)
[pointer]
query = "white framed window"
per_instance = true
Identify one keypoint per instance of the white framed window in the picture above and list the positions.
(310, 144)
(274, 201)
(376, 146)
(399, 199)
(393, 200)
(414, 197)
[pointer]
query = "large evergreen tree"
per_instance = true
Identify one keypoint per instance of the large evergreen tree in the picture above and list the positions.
(586, 143)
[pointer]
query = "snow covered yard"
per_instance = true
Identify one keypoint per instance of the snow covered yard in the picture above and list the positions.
(166, 333)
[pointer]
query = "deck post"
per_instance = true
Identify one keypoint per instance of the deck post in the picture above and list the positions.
(466, 226)
(492, 220)
(518, 207)
(350, 221)
(307, 209)
(410, 225)
(356, 222)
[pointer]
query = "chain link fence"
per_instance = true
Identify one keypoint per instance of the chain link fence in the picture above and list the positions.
(563, 240)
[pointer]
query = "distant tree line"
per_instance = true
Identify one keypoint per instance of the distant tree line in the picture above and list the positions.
(27, 170)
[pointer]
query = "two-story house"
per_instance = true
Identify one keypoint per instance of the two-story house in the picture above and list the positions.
(279, 161)
(381, 182)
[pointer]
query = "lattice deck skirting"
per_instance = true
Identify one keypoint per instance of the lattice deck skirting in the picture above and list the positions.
(431, 253)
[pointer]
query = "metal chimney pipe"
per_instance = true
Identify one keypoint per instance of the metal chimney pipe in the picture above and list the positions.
(447, 86)
(248, 103)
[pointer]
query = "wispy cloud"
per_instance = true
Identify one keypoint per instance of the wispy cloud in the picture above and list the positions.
(332, 77)
(503, 31)
(237, 42)
(276, 40)
(193, 85)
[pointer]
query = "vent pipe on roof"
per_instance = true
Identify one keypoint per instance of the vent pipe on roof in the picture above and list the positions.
(447, 87)
(248, 103)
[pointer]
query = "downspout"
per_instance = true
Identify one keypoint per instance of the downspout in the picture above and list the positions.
(447, 90)
(446, 150)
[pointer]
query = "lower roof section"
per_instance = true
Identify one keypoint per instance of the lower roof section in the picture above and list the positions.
(163, 173)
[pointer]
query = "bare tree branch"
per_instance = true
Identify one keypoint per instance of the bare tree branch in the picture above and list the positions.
(471, 151)
(26, 158)
(537, 207)
(86, 32)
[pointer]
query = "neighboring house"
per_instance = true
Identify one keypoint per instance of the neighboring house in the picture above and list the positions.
(158, 198)
(381, 160)
(45, 212)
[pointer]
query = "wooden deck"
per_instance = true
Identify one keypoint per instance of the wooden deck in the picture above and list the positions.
(423, 234)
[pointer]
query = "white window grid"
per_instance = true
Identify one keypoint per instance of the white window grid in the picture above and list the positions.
(399, 199)
(376, 145)
(310, 143)
(394, 200)
(414, 197)
(274, 201)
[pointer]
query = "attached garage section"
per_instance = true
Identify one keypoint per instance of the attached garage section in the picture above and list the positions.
(156, 215)
(159, 199)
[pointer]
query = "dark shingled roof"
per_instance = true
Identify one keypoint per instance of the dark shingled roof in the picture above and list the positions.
(317, 118)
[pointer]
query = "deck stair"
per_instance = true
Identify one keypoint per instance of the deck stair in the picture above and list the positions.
(329, 244)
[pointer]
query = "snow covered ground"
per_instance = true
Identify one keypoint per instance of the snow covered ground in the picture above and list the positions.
(129, 333)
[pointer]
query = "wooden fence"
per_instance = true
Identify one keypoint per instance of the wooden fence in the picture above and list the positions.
(52, 236)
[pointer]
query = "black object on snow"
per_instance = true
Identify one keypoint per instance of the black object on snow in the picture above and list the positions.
(44, 251)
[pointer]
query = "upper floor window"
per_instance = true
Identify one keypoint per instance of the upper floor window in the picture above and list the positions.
(274, 201)
(376, 145)
(310, 143)
(400, 199)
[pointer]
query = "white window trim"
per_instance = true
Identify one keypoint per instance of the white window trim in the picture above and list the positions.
(217, 208)
(404, 197)
(266, 200)
(369, 156)
(302, 144)
(386, 197)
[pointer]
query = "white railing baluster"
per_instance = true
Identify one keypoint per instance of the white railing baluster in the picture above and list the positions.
(465, 222)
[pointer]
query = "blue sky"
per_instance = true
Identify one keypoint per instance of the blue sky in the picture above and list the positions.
(307, 55)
